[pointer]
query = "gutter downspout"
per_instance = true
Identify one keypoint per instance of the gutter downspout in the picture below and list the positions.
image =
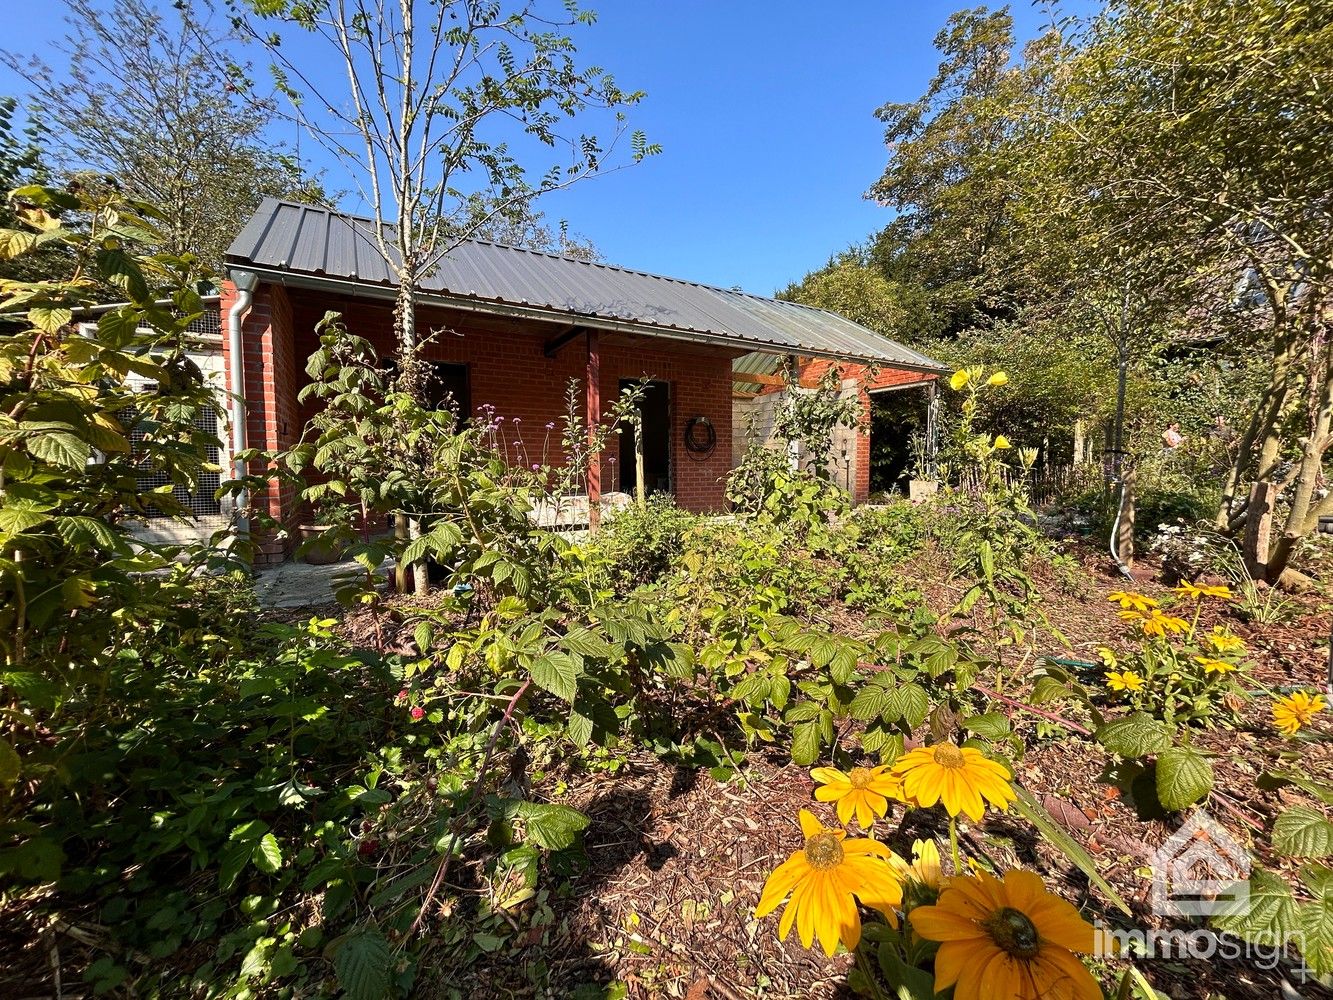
(246, 282)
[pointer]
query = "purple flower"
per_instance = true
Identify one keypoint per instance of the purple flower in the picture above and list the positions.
(551, 426)
(518, 420)
(536, 466)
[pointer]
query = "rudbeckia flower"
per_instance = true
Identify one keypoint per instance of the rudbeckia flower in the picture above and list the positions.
(1010, 939)
(1199, 591)
(1224, 642)
(862, 791)
(925, 868)
(1124, 681)
(1131, 600)
(1212, 665)
(1296, 710)
(1155, 622)
(959, 777)
(959, 379)
(822, 878)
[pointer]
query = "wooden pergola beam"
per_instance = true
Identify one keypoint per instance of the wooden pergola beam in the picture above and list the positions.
(554, 344)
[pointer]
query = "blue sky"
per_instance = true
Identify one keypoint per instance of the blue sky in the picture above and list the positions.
(765, 111)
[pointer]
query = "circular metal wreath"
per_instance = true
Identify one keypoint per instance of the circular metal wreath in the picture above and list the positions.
(700, 436)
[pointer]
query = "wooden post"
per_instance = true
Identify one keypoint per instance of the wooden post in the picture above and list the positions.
(1080, 443)
(592, 386)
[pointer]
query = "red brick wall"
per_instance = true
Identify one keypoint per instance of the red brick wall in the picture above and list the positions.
(813, 371)
(270, 397)
(507, 370)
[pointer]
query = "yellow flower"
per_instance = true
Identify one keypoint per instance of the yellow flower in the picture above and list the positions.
(1001, 443)
(1212, 665)
(1155, 622)
(925, 867)
(999, 378)
(863, 791)
(1010, 939)
(1199, 592)
(958, 777)
(1126, 681)
(1108, 657)
(821, 879)
(1295, 710)
(1130, 600)
(1224, 642)
(959, 379)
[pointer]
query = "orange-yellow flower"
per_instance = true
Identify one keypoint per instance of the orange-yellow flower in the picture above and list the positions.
(822, 878)
(1292, 712)
(1131, 600)
(1224, 642)
(959, 777)
(1010, 939)
(1155, 622)
(925, 868)
(1198, 591)
(1212, 665)
(1001, 443)
(959, 379)
(1126, 680)
(863, 792)
(998, 379)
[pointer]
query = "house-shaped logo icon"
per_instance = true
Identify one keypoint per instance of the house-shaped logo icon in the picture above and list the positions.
(1200, 871)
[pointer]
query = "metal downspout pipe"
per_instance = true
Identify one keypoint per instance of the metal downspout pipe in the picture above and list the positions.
(246, 282)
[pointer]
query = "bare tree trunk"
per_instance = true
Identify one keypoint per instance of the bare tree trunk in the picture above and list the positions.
(1258, 528)
(1124, 541)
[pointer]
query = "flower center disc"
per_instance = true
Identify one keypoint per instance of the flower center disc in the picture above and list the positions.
(1014, 933)
(823, 851)
(948, 755)
(859, 777)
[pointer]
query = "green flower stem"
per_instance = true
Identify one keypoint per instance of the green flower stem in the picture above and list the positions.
(863, 964)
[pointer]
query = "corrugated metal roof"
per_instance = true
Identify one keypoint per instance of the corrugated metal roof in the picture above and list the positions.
(307, 240)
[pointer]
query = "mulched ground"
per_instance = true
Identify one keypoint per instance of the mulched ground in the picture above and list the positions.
(675, 861)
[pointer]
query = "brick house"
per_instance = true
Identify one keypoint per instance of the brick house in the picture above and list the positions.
(511, 328)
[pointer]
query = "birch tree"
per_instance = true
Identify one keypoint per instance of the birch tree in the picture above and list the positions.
(443, 110)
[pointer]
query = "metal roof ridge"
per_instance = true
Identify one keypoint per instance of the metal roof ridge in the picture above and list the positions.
(354, 218)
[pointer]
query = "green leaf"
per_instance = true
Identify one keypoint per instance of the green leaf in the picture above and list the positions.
(267, 854)
(363, 963)
(1031, 810)
(49, 320)
(805, 743)
(1183, 778)
(553, 827)
(1135, 735)
(870, 702)
(1302, 832)
(991, 726)
(1314, 920)
(60, 449)
(10, 766)
(1266, 917)
(233, 860)
(908, 702)
(16, 520)
(558, 673)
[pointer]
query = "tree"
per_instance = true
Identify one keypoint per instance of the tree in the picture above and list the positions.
(1207, 121)
(529, 230)
(851, 286)
(441, 112)
(145, 98)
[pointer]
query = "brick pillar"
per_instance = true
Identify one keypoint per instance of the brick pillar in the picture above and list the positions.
(269, 395)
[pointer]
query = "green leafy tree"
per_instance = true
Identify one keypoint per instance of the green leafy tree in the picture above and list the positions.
(145, 98)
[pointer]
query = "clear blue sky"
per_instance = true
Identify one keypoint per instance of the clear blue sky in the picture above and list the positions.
(764, 107)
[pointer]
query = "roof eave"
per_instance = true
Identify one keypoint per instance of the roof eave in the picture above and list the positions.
(490, 307)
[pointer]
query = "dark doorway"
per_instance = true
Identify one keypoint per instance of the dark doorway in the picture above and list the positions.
(447, 385)
(897, 428)
(656, 409)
